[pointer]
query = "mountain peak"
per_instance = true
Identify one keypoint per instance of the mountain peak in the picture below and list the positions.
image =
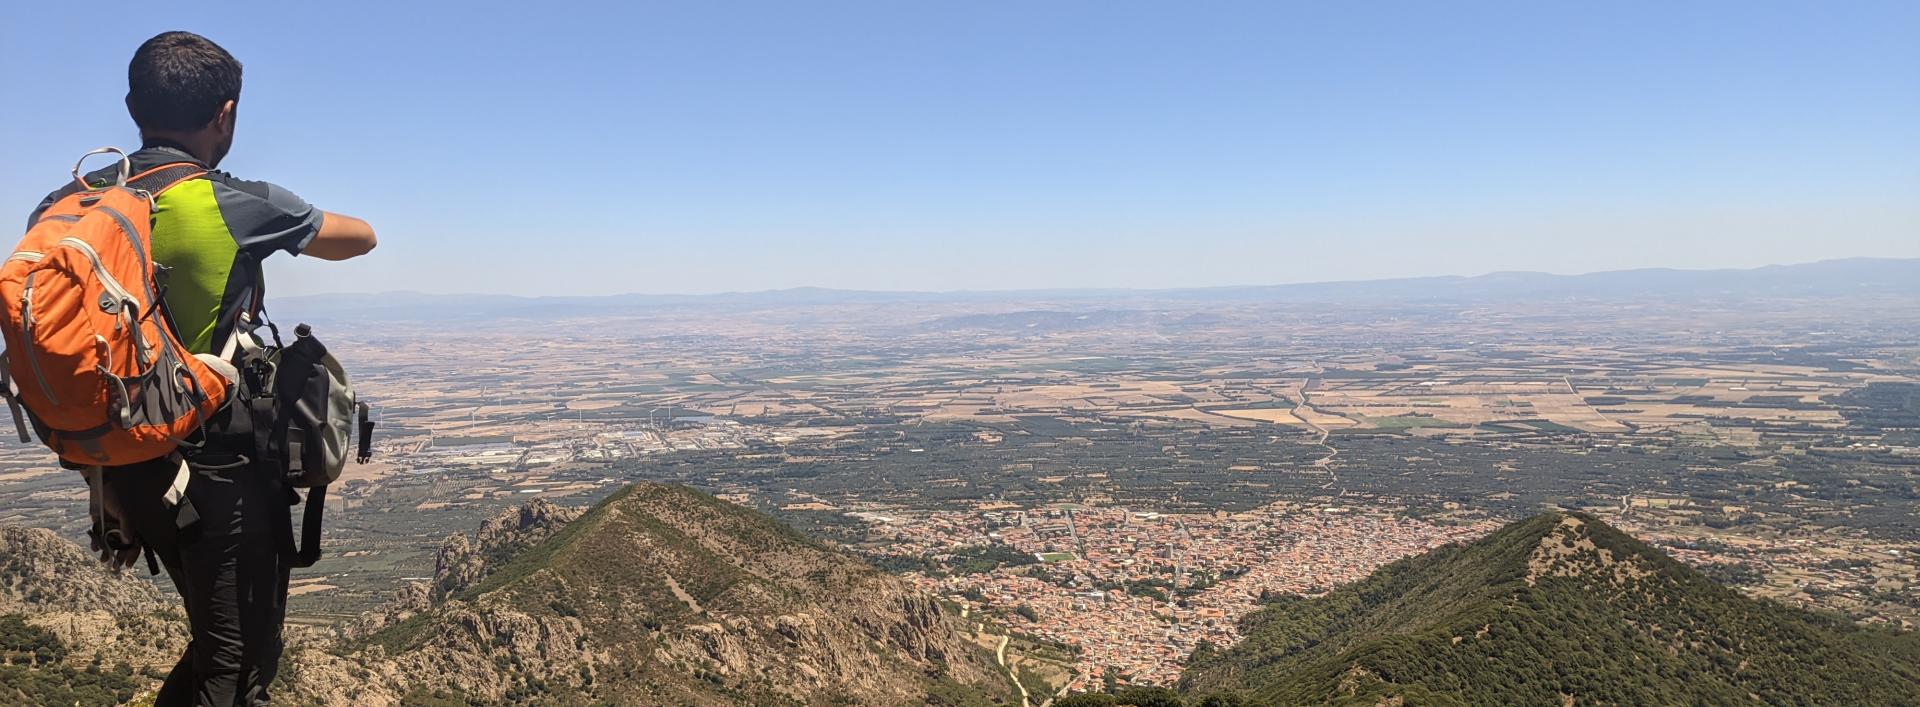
(658, 595)
(1557, 608)
(1569, 549)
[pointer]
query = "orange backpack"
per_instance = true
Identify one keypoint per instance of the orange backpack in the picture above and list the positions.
(91, 352)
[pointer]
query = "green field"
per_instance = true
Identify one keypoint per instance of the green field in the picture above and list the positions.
(1408, 422)
(1529, 425)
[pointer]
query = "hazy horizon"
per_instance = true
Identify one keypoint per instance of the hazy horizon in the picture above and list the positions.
(1015, 290)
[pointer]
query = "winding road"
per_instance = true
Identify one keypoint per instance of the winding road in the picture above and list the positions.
(1000, 654)
(1325, 463)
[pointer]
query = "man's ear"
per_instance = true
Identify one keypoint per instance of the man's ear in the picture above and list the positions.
(229, 112)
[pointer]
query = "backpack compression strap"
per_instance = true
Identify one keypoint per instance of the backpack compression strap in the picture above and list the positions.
(309, 551)
(13, 400)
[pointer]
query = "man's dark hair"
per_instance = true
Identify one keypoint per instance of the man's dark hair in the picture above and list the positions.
(179, 80)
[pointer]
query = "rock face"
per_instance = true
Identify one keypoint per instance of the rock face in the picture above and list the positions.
(94, 612)
(658, 595)
(40, 570)
(1556, 609)
(463, 560)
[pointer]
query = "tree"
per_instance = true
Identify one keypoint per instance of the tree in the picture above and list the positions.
(1086, 699)
(1222, 700)
(1151, 697)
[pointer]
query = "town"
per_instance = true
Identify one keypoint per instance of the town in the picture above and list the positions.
(1135, 592)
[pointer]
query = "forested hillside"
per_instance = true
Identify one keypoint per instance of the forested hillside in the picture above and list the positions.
(1556, 609)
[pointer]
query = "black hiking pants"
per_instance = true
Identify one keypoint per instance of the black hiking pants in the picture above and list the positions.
(228, 570)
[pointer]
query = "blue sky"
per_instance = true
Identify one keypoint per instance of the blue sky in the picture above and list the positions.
(580, 148)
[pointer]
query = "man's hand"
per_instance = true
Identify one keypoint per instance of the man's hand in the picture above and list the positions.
(340, 237)
(113, 539)
(118, 550)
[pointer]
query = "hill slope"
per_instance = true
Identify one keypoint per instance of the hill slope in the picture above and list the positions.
(658, 595)
(1556, 609)
(73, 632)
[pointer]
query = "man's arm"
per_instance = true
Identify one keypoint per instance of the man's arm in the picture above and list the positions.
(340, 237)
(265, 218)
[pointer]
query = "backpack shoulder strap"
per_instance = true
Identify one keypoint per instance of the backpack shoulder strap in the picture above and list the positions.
(159, 179)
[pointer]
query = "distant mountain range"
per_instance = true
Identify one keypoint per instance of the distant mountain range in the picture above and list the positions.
(1828, 278)
(1559, 609)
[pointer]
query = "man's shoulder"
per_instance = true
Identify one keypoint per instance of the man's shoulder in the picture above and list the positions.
(263, 216)
(257, 188)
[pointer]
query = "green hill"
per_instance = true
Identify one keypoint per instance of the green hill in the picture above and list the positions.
(658, 595)
(1559, 609)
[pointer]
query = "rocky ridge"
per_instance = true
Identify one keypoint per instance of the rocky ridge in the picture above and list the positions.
(658, 595)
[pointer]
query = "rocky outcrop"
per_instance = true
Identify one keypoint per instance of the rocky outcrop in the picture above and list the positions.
(408, 601)
(40, 570)
(464, 560)
(829, 649)
(96, 613)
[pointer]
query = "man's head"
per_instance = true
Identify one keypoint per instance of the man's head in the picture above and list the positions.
(184, 88)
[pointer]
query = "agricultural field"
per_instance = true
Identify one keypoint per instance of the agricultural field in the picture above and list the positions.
(1764, 418)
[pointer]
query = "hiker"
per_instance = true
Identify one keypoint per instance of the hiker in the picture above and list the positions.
(209, 231)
